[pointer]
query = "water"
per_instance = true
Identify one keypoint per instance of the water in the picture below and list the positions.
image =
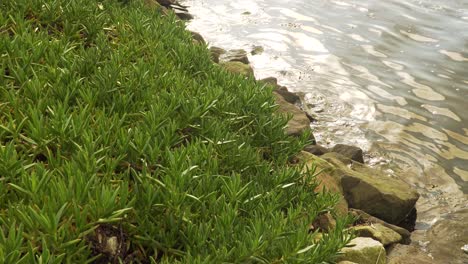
(388, 76)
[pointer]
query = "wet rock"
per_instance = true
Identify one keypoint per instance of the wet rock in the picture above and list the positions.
(364, 250)
(238, 67)
(351, 152)
(198, 39)
(364, 218)
(184, 15)
(447, 238)
(287, 95)
(257, 50)
(325, 222)
(372, 191)
(378, 232)
(404, 254)
(311, 117)
(317, 150)
(299, 123)
(216, 52)
(239, 55)
(326, 181)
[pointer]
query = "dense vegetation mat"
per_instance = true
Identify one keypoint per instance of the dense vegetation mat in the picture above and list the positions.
(120, 141)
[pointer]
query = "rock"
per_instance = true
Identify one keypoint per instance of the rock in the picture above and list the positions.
(326, 181)
(198, 39)
(351, 152)
(447, 238)
(270, 80)
(372, 191)
(216, 52)
(311, 117)
(364, 250)
(365, 218)
(347, 262)
(287, 95)
(404, 254)
(282, 90)
(317, 150)
(324, 222)
(152, 3)
(257, 50)
(238, 67)
(235, 55)
(299, 123)
(183, 15)
(378, 232)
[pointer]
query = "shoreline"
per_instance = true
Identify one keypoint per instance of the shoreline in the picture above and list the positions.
(236, 61)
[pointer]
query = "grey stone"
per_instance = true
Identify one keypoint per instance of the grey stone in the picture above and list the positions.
(351, 152)
(317, 150)
(287, 95)
(363, 250)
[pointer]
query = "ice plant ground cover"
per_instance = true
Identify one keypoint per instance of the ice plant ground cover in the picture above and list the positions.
(120, 141)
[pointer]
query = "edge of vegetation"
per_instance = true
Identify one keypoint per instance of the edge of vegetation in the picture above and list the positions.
(121, 142)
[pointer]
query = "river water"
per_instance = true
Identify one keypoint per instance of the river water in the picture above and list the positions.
(388, 76)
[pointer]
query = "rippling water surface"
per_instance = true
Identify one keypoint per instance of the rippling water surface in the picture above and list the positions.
(389, 76)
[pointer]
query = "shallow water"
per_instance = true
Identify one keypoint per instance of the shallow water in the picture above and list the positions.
(388, 76)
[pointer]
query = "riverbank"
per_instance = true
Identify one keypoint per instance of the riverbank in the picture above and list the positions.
(121, 141)
(359, 187)
(356, 91)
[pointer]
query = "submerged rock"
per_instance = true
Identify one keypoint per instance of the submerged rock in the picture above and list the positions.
(238, 67)
(379, 232)
(404, 254)
(447, 238)
(363, 250)
(257, 50)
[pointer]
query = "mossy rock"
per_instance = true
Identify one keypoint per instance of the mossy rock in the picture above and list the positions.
(372, 191)
(238, 67)
(326, 180)
(379, 232)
